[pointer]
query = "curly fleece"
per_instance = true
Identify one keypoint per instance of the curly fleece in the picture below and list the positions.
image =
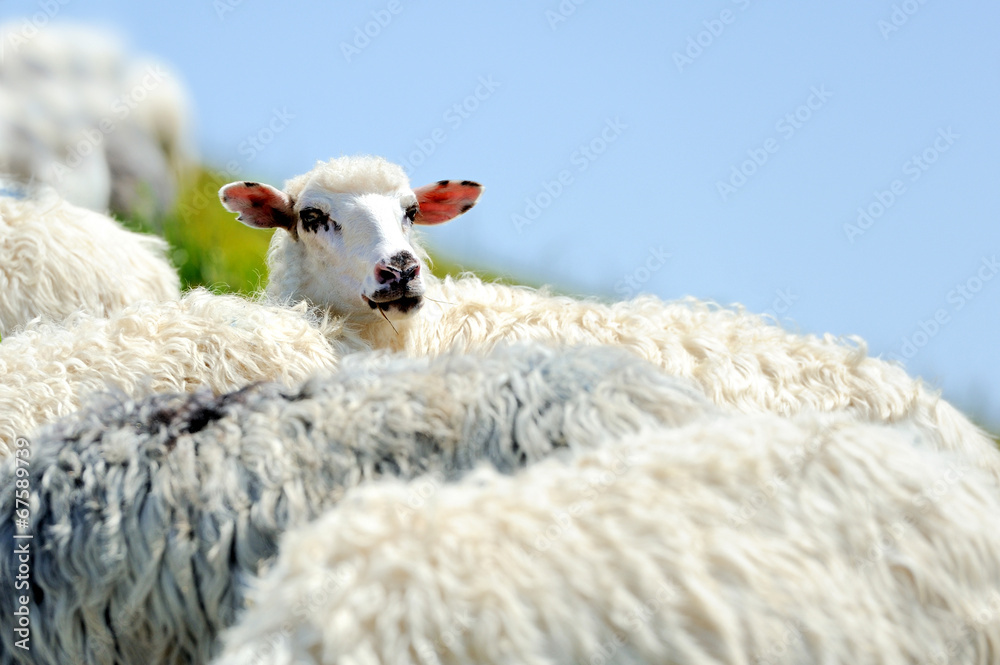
(751, 539)
(150, 517)
(202, 340)
(742, 361)
(56, 259)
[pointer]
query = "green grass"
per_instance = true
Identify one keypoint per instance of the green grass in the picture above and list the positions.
(208, 246)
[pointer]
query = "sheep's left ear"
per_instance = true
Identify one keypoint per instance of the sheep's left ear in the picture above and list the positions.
(258, 205)
(446, 199)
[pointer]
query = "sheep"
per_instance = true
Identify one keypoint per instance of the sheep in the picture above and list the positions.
(36, 137)
(863, 548)
(343, 238)
(343, 243)
(99, 125)
(742, 361)
(150, 518)
(56, 259)
(76, 53)
(221, 342)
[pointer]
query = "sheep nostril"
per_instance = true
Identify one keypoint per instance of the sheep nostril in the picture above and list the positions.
(385, 275)
(397, 270)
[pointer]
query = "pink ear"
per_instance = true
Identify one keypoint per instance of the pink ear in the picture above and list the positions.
(260, 206)
(446, 199)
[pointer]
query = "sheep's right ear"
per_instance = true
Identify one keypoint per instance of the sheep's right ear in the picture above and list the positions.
(258, 205)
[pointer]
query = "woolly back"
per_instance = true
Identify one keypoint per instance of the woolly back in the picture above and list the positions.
(56, 259)
(221, 342)
(150, 517)
(732, 540)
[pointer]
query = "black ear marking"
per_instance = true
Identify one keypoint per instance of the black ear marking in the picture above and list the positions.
(469, 183)
(444, 183)
(251, 184)
(467, 207)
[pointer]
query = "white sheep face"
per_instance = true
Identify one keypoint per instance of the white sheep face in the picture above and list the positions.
(354, 248)
(358, 252)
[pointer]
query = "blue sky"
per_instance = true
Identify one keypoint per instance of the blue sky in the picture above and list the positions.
(718, 149)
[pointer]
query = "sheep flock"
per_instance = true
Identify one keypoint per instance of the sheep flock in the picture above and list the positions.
(365, 463)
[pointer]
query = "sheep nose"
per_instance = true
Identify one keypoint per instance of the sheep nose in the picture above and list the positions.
(397, 271)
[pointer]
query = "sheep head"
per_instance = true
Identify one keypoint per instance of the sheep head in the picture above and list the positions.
(349, 224)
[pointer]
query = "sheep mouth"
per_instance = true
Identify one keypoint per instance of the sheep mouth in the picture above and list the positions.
(401, 304)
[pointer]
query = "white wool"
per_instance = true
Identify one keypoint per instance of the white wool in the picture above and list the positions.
(220, 342)
(66, 51)
(742, 361)
(151, 516)
(56, 259)
(39, 133)
(71, 101)
(355, 174)
(745, 540)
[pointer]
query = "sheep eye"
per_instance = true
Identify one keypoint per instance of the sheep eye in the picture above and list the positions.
(314, 218)
(411, 212)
